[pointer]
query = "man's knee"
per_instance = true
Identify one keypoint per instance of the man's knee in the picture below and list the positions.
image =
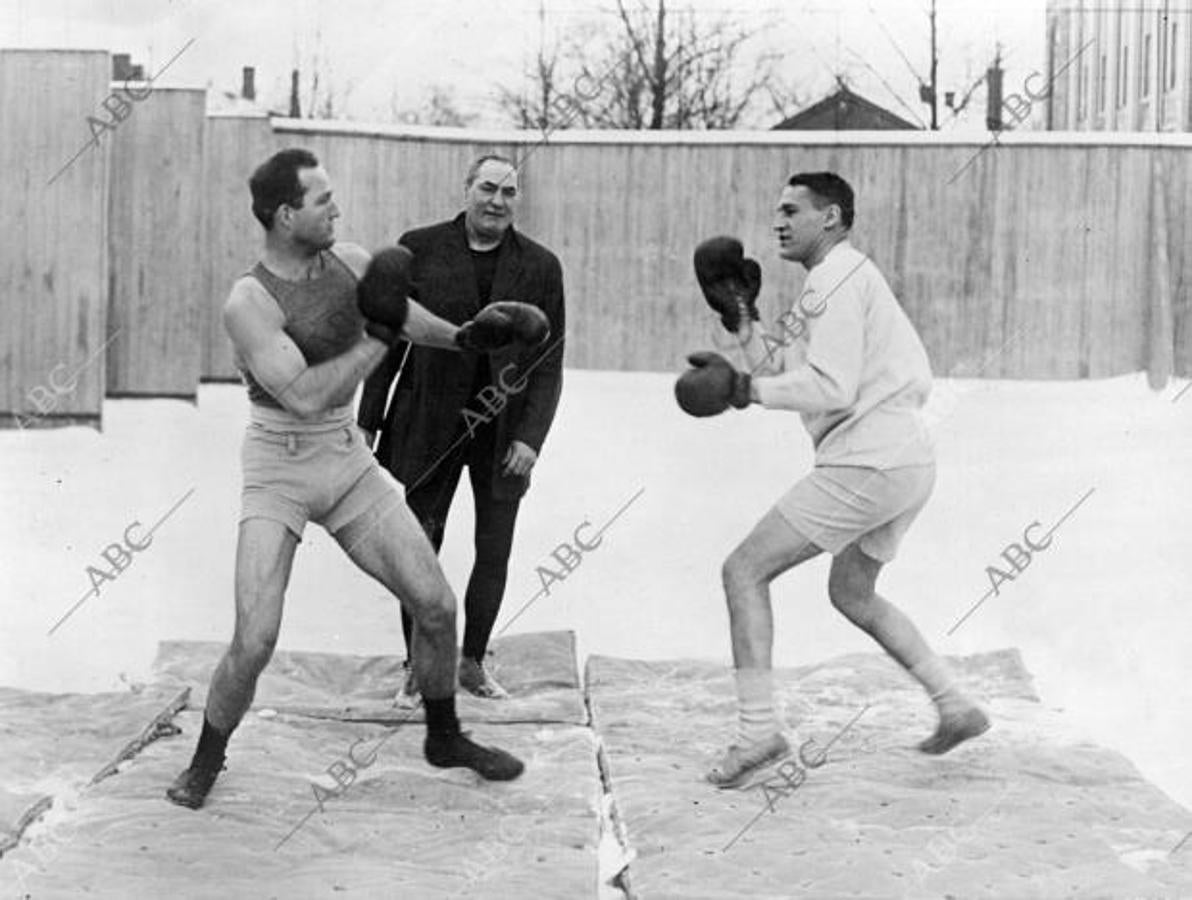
(252, 650)
(739, 572)
(851, 592)
(436, 613)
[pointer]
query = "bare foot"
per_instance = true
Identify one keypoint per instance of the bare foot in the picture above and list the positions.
(955, 729)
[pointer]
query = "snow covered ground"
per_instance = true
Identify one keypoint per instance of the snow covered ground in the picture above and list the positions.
(1103, 615)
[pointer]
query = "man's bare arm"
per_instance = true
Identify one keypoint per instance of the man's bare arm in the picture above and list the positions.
(254, 323)
(425, 328)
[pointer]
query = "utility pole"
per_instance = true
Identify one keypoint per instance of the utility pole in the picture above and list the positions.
(935, 61)
(659, 85)
(929, 93)
(993, 93)
(547, 83)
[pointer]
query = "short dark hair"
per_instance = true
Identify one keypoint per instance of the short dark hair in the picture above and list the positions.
(474, 169)
(827, 188)
(276, 182)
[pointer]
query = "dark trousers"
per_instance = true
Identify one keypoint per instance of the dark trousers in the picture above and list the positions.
(430, 501)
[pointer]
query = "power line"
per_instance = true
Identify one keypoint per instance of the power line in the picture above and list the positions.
(886, 85)
(894, 43)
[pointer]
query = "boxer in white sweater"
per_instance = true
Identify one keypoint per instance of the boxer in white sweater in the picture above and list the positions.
(850, 362)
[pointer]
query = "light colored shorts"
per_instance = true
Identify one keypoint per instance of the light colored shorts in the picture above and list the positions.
(836, 506)
(299, 472)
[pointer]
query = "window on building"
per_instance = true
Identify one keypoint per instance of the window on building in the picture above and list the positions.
(1101, 84)
(1081, 90)
(1144, 81)
(1123, 77)
(1172, 58)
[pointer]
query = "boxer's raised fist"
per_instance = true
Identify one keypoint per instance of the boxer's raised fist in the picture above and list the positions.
(501, 324)
(383, 293)
(711, 386)
(729, 280)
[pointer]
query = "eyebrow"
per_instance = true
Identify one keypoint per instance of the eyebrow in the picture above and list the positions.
(493, 185)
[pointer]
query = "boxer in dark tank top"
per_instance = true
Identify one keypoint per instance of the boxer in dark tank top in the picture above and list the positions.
(304, 347)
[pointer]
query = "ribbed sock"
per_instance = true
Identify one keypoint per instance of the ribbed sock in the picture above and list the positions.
(937, 680)
(755, 705)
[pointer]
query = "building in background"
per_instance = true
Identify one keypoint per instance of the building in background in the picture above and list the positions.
(844, 110)
(1118, 65)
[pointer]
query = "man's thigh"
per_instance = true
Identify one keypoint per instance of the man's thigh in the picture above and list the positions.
(430, 498)
(389, 543)
(496, 519)
(264, 558)
(773, 547)
(835, 506)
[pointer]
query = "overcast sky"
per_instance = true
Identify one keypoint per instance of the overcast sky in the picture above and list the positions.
(388, 54)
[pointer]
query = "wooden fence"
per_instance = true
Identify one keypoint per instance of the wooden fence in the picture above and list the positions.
(54, 257)
(155, 219)
(1045, 256)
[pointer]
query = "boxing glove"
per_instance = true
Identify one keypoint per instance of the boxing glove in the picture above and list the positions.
(730, 282)
(383, 293)
(501, 324)
(711, 386)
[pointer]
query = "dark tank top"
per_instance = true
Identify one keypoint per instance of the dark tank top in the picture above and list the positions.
(321, 315)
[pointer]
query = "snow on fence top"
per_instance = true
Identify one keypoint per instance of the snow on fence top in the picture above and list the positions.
(721, 138)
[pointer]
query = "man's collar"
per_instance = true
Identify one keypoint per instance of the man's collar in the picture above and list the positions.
(832, 251)
(842, 243)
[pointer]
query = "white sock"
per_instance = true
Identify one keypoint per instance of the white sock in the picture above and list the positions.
(938, 681)
(755, 705)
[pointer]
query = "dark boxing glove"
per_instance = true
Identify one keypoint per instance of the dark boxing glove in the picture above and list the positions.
(383, 293)
(711, 386)
(730, 282)
(501, 324)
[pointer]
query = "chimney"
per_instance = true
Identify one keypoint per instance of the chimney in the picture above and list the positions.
(248, 88)
(295, 109)
(121, 66)
(993, 96)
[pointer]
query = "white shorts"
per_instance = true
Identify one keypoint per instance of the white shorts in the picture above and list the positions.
(836, 506)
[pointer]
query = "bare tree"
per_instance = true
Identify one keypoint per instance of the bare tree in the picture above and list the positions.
(785, 99)
(553, 95)
(315, 93)
(537, 107)
(439, 108)
(654, 68)
(327, 100)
